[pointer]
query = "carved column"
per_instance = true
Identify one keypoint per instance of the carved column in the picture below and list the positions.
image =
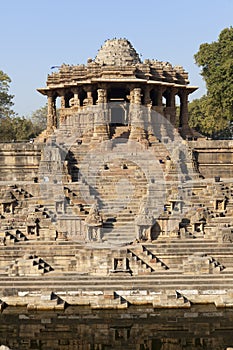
(101, 129)
(63, 101)
(76, 97)
(131, 96)
(147, 98)
(102, 96)
(63, 106)
(173, 106)
(88, 90)
(160, 96)
(137, 131)
(183, 109)
(160, 90)
(137, 96)
(51, 117)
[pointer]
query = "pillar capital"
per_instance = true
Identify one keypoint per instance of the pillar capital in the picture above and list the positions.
(102, 95)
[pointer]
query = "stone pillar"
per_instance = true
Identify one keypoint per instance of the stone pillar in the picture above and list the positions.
(137, 96)
(102, 96)
(147, 98)
(51, 117)
(101, 128)
(173, 106)
(137, 131)
(76, 97)
(183, 109)
(160, 96)
(131, 96)
(61, 94)
(88, 90)
(63, 101)
(160, 90)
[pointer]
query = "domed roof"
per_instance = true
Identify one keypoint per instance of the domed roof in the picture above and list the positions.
(117, 52)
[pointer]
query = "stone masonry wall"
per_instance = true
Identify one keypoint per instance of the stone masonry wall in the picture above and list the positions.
(214, 157)
(19, 161)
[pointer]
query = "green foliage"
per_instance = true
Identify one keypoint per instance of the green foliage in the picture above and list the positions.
(13, 127)
(16, 129)
(212, 114)
(6, 131)
(206, 118)
(5, 98)
(39, 119)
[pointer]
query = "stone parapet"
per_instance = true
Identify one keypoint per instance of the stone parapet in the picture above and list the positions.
(214, 157)
(19, 161)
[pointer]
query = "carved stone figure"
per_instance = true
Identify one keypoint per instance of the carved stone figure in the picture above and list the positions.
(143, 222)
(93, 224)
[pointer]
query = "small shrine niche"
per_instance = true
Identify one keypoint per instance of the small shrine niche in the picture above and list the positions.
(93, 223)
(120, 265)
(60, 206)
(122, 333)
(8, 203)
(33, 228)
(220, 204)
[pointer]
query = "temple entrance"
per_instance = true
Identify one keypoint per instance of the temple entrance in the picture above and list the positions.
(118, 116)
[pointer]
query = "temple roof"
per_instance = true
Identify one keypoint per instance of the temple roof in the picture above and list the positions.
(117, 52)
(118, 62)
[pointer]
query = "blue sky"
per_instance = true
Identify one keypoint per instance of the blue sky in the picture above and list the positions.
(38, 34)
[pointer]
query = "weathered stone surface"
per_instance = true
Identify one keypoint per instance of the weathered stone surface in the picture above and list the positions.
(110, 206)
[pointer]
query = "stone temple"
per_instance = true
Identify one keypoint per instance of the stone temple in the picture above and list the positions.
(118, 202)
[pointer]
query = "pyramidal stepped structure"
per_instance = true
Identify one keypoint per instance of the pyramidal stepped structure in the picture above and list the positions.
(116, 194)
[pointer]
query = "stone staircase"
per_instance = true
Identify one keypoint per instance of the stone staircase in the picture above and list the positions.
(107, 188)
(14, 236)
(158, 273)
(146, 260)
(175, 253)
(28, 265)
(119, 132)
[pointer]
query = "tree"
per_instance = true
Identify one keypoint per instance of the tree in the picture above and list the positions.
(203, 117)
(216, 60)
(23, 129)
(17, 129)
(13, 127)
(39, 119)
(6, 131)
(5, 98)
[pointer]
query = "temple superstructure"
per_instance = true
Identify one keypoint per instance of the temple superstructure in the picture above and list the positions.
(117, 74)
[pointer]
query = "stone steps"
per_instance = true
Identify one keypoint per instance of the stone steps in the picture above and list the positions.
(106, 195)
(155, 283)
(158, 276)
(150, 265)
(174, 246)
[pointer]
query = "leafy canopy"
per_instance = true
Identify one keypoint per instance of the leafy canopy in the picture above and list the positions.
(215, 110)
(216, 60)
(5, 98)
(205, 118)
(13, 127)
